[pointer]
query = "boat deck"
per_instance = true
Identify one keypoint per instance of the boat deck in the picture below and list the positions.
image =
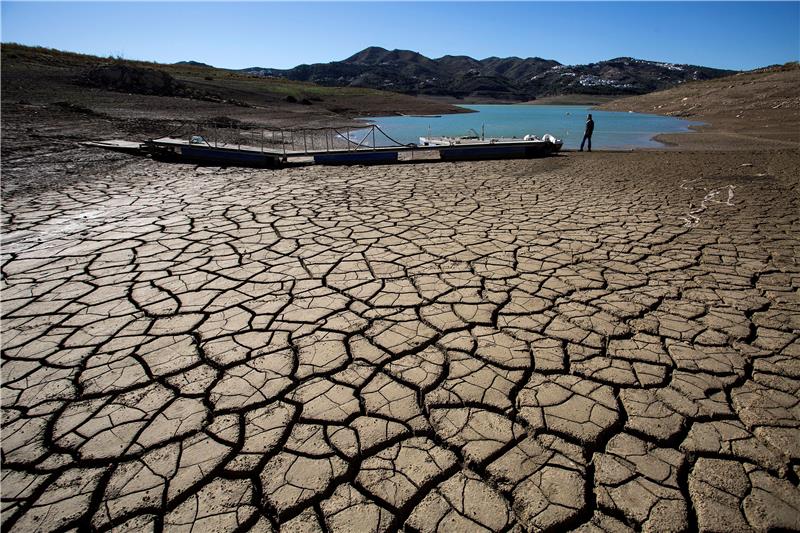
(119, 145)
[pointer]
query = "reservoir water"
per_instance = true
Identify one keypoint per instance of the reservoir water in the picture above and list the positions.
(613, 130)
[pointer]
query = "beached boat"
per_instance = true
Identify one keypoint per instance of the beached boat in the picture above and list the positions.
(197, 149)
(476, 147)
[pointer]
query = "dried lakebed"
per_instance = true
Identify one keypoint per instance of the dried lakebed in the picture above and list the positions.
(525, 345)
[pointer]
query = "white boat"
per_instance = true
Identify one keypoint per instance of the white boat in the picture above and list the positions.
(476, 147)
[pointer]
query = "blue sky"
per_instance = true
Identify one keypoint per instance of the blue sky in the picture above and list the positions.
(735, 35)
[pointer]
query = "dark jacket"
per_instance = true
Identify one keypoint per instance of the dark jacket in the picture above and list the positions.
(589, 127)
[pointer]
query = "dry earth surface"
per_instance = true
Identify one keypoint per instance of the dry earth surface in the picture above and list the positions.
(591, 342)
(523, 345)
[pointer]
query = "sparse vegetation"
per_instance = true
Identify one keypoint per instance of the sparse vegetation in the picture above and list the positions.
(187, 90)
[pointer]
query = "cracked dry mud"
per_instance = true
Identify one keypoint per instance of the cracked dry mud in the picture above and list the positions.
(499, 346)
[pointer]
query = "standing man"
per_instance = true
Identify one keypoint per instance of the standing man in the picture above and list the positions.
(587, 135)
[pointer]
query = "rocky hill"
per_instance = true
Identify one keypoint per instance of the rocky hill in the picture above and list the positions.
(509, 78)
(194, 64)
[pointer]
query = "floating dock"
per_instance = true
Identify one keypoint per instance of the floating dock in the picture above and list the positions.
(197, 149)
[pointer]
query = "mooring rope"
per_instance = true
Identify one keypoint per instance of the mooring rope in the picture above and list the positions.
(375, 126)
(398, 143)
(180, 126)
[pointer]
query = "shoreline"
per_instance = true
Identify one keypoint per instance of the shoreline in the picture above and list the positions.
(655, 138)
(749, 110)
(43, 121)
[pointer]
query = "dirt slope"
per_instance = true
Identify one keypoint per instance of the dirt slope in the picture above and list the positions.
(758, 107)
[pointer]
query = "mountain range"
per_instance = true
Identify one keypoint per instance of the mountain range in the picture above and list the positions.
(506, 78)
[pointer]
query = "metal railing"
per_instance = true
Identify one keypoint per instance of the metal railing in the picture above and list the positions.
(286, 141)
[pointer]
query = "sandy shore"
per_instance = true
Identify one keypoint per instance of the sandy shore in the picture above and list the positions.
(602, 341)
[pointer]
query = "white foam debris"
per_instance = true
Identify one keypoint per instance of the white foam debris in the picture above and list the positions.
(713, 196)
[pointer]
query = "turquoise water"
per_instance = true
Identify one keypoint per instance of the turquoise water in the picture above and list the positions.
(612, 130)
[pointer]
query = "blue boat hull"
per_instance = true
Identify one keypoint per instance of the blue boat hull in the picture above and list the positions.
(215, 156)
(356, 158)
(487, 151)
